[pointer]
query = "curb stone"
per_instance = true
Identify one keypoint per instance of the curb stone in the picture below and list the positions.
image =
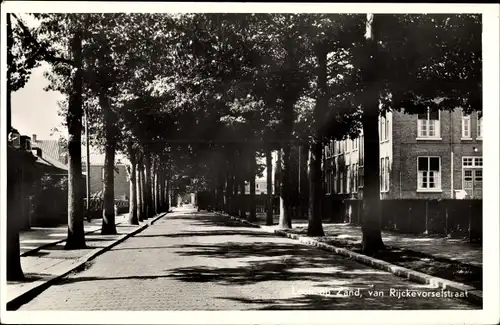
(34, 250)
(472, 294)
(42, 285)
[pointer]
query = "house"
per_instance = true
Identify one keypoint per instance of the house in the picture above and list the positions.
(260, 186)
(437, 155)
(121, 184)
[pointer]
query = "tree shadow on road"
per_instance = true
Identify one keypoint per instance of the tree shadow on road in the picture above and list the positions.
(210, 233)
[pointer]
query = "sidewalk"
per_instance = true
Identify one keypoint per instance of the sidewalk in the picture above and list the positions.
(37, 237)
(441, 265)
(452, 249)
(44, 259)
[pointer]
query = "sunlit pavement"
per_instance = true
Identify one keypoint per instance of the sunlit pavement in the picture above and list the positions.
(192, 260)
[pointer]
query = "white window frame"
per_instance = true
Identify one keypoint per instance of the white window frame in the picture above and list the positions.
(421, 136)
(438, 182)
(341, 185)
(348, 179)
(474, 162)
(479, 127)
(387, 130)
(473, 167)
(383, 129)
(387, 176)
(335, 183)
(466, 126)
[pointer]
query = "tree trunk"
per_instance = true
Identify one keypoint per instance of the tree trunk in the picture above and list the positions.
(76, 232)
(154, 185)
(243, 206)
(303, 179)
(147, 183)
(132, 216)
(315, 227)
(229, 190)
(108, 218)
(15, 163)
(286, 184)
(269, 175)
(277, 173)
(161, 190)
(253, 166)
(14, 269)
(140, 191)
(371, 217)
(10, 59)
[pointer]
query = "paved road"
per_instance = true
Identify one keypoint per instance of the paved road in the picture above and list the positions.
(199, 261)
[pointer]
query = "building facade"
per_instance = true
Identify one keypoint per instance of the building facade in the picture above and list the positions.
(437, 155)
(122, 187)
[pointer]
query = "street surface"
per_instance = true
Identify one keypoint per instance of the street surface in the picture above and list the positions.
(192, 260)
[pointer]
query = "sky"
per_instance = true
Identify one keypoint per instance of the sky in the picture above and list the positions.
(35, 111)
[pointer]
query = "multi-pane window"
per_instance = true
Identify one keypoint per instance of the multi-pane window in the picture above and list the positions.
(341, 187)
(472, 161)
(428, 124)
(479, 125)
(384, 181)
(472, 182)
(355, 178)
(466, 126)
(383, 129)
(348, 182)
(382, 174)
(429, 173)
(468, 161)
(335, 183)
(386, 129)
(361, 150)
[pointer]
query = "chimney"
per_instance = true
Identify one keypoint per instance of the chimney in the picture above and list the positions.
(33, 138)
(37, 152)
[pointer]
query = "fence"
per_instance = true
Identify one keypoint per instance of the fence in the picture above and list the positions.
(441, 217)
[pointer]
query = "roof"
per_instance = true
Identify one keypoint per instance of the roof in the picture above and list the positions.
(50, 148)
(48, 161)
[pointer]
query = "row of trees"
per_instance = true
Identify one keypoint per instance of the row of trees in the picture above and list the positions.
(193, 99)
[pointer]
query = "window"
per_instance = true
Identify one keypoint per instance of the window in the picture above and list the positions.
(468, 161)
(479, 125)
(386, 129)
(466, 127)
(428, 124)
(478, 175)
(361, 150)
(102, 174)
(382, 174)
(383, 133)
(472, 182)
(341, 187)
(335, 182)
(472, 162)
(429, 173)
(355, 178)
(348, 183)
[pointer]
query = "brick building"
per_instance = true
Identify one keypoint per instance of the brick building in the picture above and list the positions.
(122, 188)
(437, 155)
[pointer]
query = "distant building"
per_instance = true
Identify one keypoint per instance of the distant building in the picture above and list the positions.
(426, 156)
(121, 183)
(260, 186)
